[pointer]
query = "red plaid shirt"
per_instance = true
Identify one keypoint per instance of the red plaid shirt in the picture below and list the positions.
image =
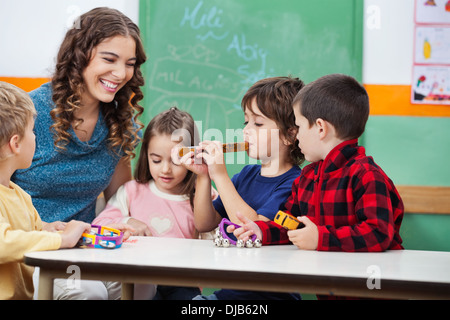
(355, 206)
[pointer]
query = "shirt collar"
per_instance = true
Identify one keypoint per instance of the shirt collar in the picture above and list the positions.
(340, 155)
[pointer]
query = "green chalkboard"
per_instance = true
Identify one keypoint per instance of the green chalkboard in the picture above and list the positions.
(204, 55)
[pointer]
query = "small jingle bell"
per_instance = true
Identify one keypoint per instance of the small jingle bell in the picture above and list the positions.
(218, 233)
(258, 243)
(218, 242)
(225, 243)
(249, 243)
(240, 243)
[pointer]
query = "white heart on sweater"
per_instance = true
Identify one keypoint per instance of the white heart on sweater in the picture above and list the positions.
(161, 225)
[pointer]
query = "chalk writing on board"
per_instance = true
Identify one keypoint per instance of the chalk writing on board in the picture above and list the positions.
(210, 80)
(208, 74)
(210, 23)
(211, 19)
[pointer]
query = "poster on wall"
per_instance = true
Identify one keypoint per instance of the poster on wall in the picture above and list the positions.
(432, 45)
(431, 69)
(431, 84)
(432, 11)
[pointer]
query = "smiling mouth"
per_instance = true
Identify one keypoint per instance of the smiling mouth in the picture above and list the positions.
(110, 86)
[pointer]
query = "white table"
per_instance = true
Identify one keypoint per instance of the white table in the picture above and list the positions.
(397, 274)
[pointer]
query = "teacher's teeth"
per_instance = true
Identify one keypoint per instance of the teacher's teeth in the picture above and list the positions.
(109, 84)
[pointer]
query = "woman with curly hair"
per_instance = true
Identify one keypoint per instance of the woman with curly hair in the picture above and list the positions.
(87, 127)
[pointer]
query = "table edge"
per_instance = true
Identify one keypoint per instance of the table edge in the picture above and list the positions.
(248, 280)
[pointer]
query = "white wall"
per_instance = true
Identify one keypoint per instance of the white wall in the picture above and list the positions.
(388, 41)
(31, 31)
(36, 27)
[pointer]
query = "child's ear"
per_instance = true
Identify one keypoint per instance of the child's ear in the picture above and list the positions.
(325, 129)
(322, 128)
(14, 144)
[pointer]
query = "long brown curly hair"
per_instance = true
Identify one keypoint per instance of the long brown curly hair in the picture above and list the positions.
(121, 115)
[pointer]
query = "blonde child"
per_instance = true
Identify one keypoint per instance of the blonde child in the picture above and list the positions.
(258, 190)
(159, 201)
(21, 228)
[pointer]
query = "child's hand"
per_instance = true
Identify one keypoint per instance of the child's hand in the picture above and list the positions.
(126, 229)
(188, 161)
(248, 228)
(140, 228)
(306, 238)
(53, 226)
(72, 233)
(212, 154)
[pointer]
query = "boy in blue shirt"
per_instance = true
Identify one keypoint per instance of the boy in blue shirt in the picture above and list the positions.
(258, 190)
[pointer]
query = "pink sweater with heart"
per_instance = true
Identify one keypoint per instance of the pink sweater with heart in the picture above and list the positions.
(167, 215)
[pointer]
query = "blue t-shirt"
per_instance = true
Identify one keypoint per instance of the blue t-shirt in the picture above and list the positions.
(64, 185)
(265, 195)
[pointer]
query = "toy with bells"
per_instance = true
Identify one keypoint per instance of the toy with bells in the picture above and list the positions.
(224, 239)
(102, 237)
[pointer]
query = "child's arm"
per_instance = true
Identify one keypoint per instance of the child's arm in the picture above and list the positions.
(53, 226)
(15, 243)
(272, 232)
(72, 233)
(232, 200)
(213, 156)
(206, 218)
(126, 229)
(248, 228)
(373, 230)
(373, 225)
(117, 211)
(305, 238)
(267, 231)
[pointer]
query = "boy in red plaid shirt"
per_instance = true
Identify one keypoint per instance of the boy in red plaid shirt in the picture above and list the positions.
(344, 200)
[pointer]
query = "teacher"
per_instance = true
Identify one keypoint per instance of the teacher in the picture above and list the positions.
(87, 118)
